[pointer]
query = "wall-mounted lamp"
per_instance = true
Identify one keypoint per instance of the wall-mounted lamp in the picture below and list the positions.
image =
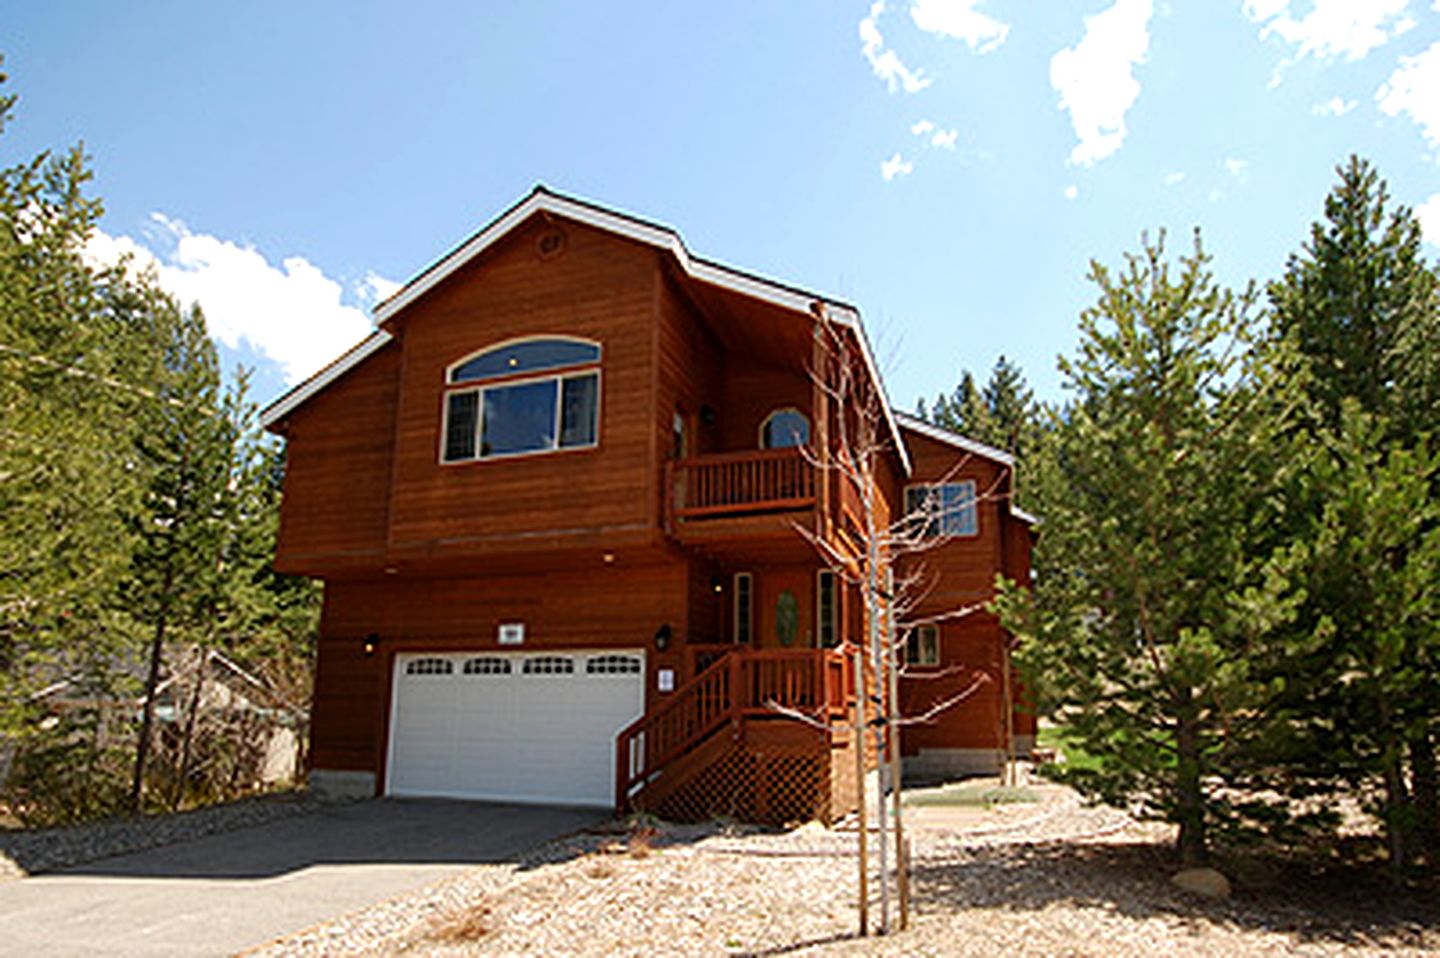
(717, 584)
(372, 642)
(707, 415)
(662, 637)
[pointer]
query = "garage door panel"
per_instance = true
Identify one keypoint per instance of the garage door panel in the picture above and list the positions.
(537, 726)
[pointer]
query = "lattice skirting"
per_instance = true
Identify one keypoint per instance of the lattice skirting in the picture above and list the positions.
(774, 785)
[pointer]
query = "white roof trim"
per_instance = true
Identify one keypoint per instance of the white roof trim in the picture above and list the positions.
(940, 434)
(541, 200)
(287, 403)
(1023, 516)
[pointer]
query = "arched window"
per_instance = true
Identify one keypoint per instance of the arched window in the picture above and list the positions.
(525, 396)
(784, 428)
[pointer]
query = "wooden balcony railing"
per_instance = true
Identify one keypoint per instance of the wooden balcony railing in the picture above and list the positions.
(739, 483)
(743, 685)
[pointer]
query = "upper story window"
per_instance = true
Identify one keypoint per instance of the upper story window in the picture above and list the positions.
(533, 395)
(943, 509)
(783, 428)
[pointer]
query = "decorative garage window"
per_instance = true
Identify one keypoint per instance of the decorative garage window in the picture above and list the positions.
(429, 667)
(613, 665)
(527, 396)
(487, 665)
(549, 665)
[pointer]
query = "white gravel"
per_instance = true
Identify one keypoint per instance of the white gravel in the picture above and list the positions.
(1052, 879)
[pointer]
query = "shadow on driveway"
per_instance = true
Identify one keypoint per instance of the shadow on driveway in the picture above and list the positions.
(224, 893)
(380, 832)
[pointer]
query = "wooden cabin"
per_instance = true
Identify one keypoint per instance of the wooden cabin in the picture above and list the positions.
(569, 501)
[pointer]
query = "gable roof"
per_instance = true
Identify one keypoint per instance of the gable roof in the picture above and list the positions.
(973, 447)
(964, 443)
(543, 200)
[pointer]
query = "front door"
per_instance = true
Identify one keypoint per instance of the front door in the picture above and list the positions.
(786, 610)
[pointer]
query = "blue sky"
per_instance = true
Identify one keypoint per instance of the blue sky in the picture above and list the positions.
(950, 166)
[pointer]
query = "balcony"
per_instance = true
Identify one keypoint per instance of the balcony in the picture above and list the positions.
(739, 495)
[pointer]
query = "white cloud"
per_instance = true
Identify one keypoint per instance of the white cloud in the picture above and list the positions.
(885, 63)
(1072, 191)
(1173, 179)
(896, 166)
(375, 289)
(938, 138)
(1414, 88)
(292, 312)
(944, 139)
(1335, 106)
(1428, 212)
(1331, 28)
(1095, 78)
(959, 19)
(1236, 167)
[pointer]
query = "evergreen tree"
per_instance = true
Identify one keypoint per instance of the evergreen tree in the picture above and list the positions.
(1149, 600)
(184, 532)
(1362, 309)
(1011, 408)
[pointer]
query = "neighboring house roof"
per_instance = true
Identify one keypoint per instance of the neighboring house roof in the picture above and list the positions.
(542, 200)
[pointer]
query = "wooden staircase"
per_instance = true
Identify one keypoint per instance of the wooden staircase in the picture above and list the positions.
(720, 744)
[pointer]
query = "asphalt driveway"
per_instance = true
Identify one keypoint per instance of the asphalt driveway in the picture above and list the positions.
(225, 893)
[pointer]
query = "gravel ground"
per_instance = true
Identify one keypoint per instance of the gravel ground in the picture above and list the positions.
(41, 850)
(1050, 879)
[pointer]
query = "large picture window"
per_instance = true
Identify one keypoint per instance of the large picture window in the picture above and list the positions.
(537, 395)
(944, 509)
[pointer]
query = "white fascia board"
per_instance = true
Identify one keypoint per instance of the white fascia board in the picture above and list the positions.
(648, 233)
(287, 403)
(955, 439)
(1025, 517)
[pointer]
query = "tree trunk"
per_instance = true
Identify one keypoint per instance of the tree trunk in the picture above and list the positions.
(1189, 793)
(1427, 803)
(147, 719)
(182, 770)
(1397, 801)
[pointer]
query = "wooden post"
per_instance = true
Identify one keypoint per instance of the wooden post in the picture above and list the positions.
(858, 743)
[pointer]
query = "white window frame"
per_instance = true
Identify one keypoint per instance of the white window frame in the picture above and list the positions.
(483, 386)
(765, 423)
(515, 341)
(939, 516)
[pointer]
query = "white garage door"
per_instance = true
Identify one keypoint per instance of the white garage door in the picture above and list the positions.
(533, 727)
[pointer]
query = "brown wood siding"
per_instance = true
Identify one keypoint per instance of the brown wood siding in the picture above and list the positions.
(337, 470)
(605, 608)
(962, 573)
(977, 722)
(600, 288)
(752, 392)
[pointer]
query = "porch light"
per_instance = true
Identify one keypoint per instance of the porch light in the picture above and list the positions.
(372, 641)
(662, 637)
(717, 583)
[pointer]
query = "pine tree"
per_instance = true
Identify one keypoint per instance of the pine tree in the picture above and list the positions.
(1149, 600)
(183, 533)
(1362, 310)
